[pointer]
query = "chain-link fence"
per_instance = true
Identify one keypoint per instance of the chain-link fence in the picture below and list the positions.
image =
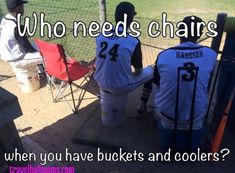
(66, 11)
(148, 10)
(1, 13)
(151, 10)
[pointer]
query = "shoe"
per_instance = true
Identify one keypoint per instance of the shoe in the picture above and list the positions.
(145, 110)
(150, 109)
(142, 110)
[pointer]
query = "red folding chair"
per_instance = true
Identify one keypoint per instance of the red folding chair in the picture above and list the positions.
(67, 70)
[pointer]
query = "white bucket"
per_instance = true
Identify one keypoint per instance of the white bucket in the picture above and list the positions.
(113, 108)
(28, 79)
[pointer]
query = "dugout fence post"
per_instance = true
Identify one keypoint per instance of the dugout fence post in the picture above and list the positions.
(228, 26)
(215, 45)
(102, 11)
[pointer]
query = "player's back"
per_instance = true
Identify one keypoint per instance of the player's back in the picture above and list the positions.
(10, 49)
(113, 60)
(178, 66)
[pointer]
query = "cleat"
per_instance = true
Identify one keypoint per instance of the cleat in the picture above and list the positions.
(142, 110)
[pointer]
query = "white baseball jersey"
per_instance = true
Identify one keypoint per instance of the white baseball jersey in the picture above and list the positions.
(170, 71)
(114, 57)
(10, 49)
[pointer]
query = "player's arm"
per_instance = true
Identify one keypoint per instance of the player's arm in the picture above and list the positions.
(156, 75)
(23, 42)
(136, 60)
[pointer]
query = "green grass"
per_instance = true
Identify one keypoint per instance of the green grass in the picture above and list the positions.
(148, 10)
(176, 10)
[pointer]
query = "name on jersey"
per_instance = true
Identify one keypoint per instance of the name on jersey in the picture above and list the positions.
(189, 55)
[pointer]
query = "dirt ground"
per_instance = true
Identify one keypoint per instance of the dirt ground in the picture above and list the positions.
(42, 120)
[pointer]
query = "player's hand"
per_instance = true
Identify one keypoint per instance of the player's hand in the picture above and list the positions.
(138, 71)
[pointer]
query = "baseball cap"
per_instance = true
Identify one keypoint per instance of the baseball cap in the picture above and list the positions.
(188, 20)
(125, 7)
(14, 3)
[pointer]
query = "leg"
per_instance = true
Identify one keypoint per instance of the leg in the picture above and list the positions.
(147, 89)
(30, 59)
(166, 138)
(141, 79)
(197, 138)
(146, 92)
(187, 141)
(135, 82)
(182, 141)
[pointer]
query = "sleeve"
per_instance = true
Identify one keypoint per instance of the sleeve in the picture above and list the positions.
(156, 75)
(136, 59)
(23, 42)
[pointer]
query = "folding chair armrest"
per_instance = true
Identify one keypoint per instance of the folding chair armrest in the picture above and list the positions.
(90, 64)
(72, 61)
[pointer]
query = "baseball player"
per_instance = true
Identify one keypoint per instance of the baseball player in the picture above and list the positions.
(115, 57)
(16, 49)
(182, 76)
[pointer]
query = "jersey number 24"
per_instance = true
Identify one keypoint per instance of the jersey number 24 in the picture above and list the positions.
(113, 52)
